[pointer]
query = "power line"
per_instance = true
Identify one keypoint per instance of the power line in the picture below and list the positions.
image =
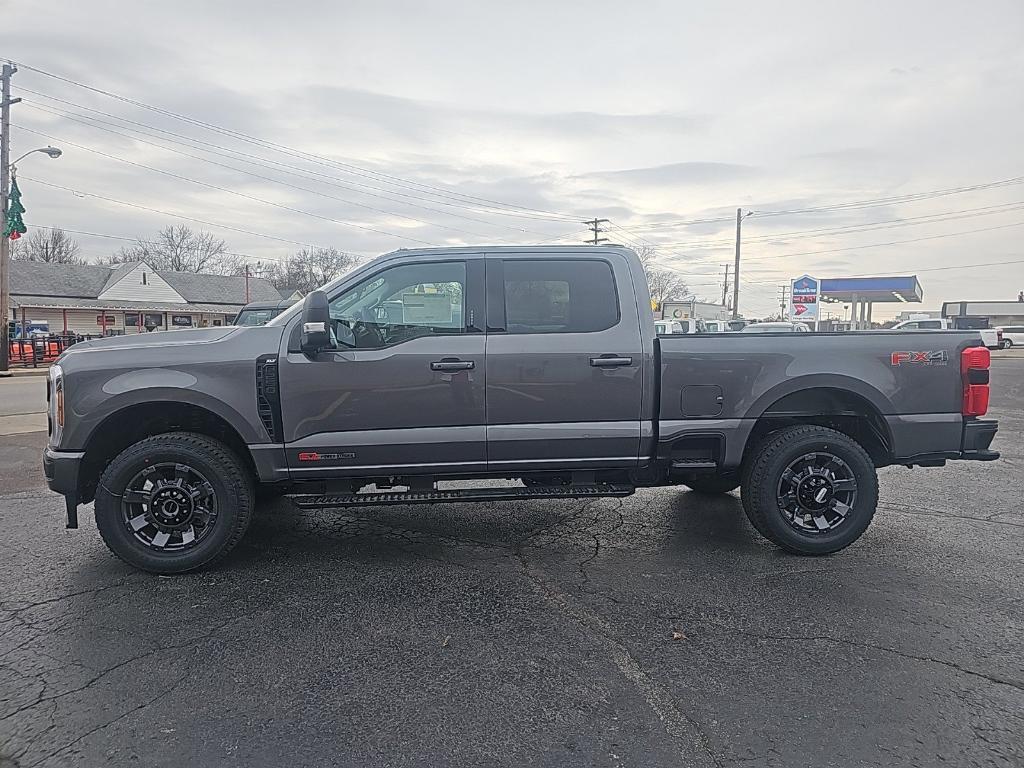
(895, 242)
(931, 218)
(125, 238)
(261, 162)
(349, 167)
(80, 193)
(851, 205)
(257, 199)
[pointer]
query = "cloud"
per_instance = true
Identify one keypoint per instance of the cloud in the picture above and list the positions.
(687, 116)
(671, 174)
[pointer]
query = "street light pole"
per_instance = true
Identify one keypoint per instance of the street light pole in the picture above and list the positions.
(5, 183)
(740, 216)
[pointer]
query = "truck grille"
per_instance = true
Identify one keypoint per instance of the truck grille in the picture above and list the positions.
(268, 396)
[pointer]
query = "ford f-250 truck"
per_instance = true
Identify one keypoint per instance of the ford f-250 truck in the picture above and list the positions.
(536, 363)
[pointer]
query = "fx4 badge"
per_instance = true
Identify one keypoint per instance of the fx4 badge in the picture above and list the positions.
(940, 357)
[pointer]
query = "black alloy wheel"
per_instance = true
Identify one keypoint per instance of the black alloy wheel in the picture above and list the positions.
(816, 492)
(169, 506)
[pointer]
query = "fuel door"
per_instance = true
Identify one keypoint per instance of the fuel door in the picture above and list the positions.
(702, 400)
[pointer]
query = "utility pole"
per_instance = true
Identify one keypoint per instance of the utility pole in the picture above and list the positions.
(783, 299)
(725, 286)
(595, 226)
(247, 283)
(5, 183)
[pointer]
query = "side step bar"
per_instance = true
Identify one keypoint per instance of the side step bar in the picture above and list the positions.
(691, 465)
(308, 501)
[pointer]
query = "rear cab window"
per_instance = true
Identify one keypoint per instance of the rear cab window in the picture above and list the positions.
(559, 296)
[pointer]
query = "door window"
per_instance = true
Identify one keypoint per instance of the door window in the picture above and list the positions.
(552, 296)
(404, 302)
(931, 324)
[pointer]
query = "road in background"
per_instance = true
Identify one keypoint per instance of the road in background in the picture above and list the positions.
(654, 630)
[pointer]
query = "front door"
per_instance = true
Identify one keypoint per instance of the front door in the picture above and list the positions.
(564, 363)
(403, 392)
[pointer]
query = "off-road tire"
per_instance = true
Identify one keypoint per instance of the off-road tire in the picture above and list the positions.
(233, 488)
(764, 472)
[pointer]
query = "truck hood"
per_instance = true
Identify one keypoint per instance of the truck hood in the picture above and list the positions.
(155, 339)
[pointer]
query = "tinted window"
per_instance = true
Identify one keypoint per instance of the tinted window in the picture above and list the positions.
(934, 324)
(401, 303)
(575, 296)
(256, 316)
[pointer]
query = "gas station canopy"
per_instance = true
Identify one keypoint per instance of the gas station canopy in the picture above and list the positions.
(872, 289)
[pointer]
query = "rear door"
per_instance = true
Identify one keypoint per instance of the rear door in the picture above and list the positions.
(564, 362)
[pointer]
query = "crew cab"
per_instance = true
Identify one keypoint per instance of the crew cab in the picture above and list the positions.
(539, 364)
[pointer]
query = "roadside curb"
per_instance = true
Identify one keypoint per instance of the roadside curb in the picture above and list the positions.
(15, 373)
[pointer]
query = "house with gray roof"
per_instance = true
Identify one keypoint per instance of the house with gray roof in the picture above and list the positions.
(90, 299)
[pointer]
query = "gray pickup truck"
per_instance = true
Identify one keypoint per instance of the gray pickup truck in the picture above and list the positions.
(533, 363)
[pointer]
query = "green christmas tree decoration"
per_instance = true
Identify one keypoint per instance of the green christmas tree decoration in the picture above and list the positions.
(14, 226)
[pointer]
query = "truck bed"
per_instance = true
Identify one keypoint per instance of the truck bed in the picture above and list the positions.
(909, 382)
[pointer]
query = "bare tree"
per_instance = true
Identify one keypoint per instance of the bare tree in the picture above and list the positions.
(664, 284)
(305, 271)
(52, 246)
(311, 268)
(178, 249)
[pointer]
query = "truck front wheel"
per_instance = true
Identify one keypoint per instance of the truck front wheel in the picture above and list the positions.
(810, 490)
(174, 502)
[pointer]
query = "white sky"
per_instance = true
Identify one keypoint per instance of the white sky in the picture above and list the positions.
(642, 112)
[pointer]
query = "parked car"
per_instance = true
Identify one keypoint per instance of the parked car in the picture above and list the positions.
(990, 336)
(684, 326)
(780, 327)
(1012, 335)
(261, 312)
(537, 363)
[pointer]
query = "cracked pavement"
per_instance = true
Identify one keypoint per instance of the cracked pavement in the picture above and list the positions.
(658, 629)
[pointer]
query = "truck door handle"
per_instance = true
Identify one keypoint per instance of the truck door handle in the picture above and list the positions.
(610, 361)
(450, 364)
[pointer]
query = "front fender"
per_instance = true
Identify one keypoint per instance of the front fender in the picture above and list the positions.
(94, 404)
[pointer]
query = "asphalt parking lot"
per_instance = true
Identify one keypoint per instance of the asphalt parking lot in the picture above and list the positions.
(655, 630)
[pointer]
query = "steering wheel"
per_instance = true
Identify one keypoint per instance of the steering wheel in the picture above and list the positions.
(367, 335)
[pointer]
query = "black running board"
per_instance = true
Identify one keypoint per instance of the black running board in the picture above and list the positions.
(694, 465)
(306, 501)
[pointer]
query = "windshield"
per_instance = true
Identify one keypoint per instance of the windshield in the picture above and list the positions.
(252, 317)
(768, 328)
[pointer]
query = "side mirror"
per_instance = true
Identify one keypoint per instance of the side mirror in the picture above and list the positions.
(316, 324)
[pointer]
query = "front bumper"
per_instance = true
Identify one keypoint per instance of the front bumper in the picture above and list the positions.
(61, 469)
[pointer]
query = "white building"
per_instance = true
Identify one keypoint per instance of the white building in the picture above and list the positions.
(998, 312)
(89, 299)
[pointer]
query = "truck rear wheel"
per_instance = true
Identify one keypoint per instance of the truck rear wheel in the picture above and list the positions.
(174, 502)
(810, 490)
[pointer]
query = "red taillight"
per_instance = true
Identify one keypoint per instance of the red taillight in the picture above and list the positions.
(974, 364)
